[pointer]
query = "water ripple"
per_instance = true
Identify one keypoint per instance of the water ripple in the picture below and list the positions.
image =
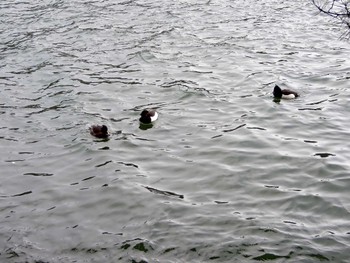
(225, 174)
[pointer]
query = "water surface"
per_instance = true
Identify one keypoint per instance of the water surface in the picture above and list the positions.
(226, 174)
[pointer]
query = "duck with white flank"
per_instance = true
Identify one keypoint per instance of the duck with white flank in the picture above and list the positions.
(99, 131)
(284, 93)
(148, 116)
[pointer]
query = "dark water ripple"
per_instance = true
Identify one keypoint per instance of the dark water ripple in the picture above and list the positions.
(226, 174)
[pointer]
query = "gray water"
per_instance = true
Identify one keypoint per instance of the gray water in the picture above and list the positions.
(226, 174)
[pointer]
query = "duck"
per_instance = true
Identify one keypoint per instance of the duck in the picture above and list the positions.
(99, 131)
(284, 93)
(148, 116)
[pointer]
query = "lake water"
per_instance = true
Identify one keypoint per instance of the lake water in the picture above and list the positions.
(226, 174)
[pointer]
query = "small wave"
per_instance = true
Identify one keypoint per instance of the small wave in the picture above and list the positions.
(162, 192)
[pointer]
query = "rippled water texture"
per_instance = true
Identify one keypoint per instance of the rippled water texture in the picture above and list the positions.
(226, 174)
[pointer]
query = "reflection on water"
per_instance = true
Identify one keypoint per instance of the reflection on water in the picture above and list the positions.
(145, 126)
(226, 174)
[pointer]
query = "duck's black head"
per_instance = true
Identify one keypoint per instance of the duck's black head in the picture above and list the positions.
(104, 129)
(277, 92)
(146, 117)
(145, 113)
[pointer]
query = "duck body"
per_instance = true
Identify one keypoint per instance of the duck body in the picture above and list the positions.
(284, 93)
(99, 131)
(148, 116)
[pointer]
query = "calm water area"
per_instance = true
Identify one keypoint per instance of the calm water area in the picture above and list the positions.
(226, 174)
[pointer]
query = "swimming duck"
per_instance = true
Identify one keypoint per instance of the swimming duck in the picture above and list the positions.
(284, 93)
(148, 116)
(99, 131)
